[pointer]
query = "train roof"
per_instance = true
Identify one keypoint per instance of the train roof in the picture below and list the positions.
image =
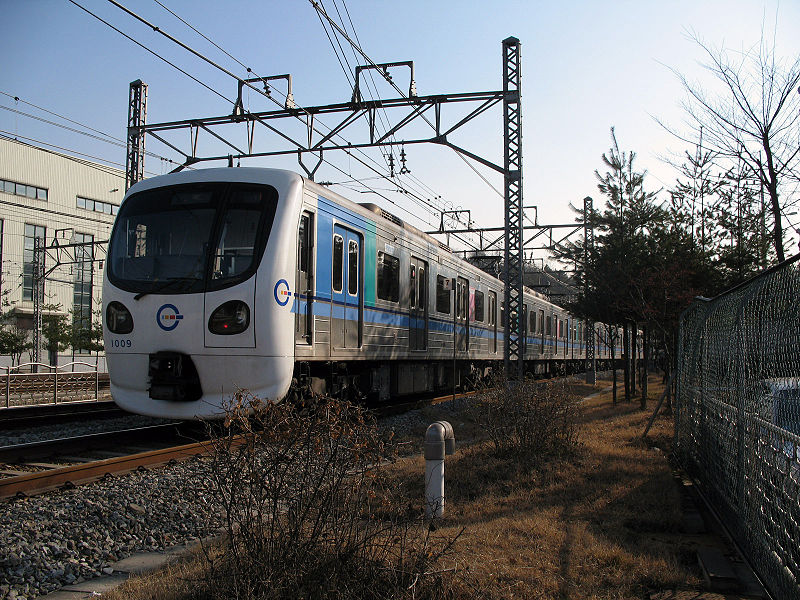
(285, 176)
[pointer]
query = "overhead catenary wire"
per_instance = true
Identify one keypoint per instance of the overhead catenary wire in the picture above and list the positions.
(209, 61)
(188, 48)
(356, 46)
(108, 139)
(371, 85)
(321, 10)
(185, 46)
(55, 114)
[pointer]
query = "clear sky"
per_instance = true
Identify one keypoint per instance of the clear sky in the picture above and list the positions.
(587, 66)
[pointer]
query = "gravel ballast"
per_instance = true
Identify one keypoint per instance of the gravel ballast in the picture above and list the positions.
(69, 536)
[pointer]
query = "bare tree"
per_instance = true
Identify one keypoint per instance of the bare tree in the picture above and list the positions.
(754, 117)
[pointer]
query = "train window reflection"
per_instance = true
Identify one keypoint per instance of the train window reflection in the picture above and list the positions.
(338, 263)
(352, 268)
(388, 277)
(189, 238)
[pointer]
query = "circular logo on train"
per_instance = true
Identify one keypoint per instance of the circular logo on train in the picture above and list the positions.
(282, 292)
(168, 317)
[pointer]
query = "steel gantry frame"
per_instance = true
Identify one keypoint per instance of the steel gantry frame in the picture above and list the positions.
(317, 143)
(60, 254)
(137, 117)
(512, 266)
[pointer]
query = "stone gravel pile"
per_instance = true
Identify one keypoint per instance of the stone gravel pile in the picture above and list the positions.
(69, 536)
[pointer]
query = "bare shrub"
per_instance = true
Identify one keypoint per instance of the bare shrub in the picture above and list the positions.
(527, 418)
(307, 515)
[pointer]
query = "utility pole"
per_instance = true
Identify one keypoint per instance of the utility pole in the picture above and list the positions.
(38, 298)
(317, 142)
(513, 357)
(588, 248)
(137, 117)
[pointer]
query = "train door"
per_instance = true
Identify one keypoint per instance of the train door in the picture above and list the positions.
(418, 305)
(493, 319)
(541, 329)
(346, 284)
(304, 317)
(462, 314)
(524, 345)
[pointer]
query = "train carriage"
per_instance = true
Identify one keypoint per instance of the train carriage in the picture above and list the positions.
(259, 279)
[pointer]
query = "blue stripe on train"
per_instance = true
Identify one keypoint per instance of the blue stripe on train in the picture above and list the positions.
(377, 315)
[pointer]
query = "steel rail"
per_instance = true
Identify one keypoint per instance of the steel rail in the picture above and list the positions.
(29, 415)
(34, 483)
(88, 442)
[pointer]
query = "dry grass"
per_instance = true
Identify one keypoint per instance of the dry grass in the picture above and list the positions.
(599, 522)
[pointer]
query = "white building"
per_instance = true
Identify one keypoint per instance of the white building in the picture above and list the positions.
(60, 200)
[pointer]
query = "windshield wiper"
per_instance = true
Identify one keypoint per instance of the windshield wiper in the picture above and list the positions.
(165, 285)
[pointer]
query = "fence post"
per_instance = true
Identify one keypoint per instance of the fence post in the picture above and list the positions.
(96, 378)
(55, 386)
(8, 386)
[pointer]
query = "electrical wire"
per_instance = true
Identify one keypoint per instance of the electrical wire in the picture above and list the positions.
(186, 47)
(171, 64)
(55, 114)
(13, 137)
(113, 141)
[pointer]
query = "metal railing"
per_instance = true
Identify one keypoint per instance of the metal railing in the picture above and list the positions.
(737, 417)
(23, 385)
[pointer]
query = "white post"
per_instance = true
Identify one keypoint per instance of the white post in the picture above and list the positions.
(439, 441)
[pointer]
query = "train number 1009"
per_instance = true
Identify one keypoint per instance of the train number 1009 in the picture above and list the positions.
(121, 343)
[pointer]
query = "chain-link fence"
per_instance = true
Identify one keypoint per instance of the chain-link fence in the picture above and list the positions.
(738, 417)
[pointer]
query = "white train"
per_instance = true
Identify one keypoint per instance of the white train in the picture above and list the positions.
(259, 279)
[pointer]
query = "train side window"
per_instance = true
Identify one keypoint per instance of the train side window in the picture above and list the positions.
(338, 263)
(412, 288)
(462, 293)
(305, 279)
(478, 306)
(549, 326)
(532, 326)
(304, 243)
(422, 284)
(352, 268)
(442, 294)
(388, 277)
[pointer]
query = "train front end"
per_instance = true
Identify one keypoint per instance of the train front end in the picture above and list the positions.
(196, 294)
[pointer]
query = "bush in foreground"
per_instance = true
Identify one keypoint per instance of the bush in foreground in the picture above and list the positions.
(305, 509)
(527, 418)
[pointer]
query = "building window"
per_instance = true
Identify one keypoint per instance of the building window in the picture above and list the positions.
(97, 206)
(32, 233)
(21, 189)
(388, 277)
(82, 289)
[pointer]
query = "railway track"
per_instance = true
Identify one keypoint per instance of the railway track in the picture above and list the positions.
(18, 417)
(32, 468)
(37, 467)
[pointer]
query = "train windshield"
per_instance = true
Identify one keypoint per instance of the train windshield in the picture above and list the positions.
(190, 238)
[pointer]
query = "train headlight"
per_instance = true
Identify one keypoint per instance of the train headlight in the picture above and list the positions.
(229, 319)
(118, 318)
